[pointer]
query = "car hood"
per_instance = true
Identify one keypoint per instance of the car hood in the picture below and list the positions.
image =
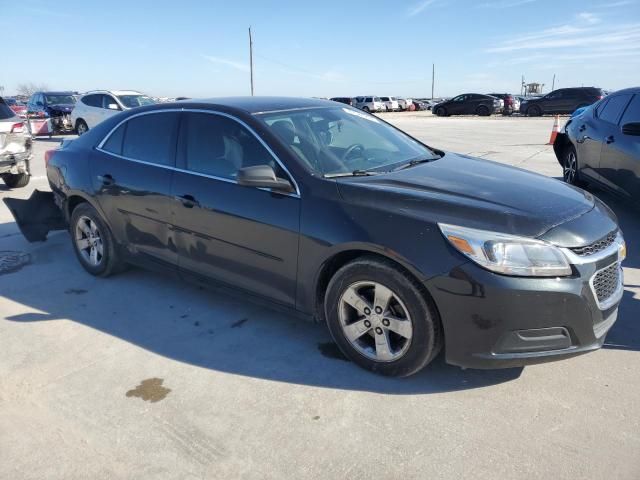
(61, 108)
(472, 192)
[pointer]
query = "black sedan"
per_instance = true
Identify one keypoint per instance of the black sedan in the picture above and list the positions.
(601, 145)
(400, 248)
(469, 104)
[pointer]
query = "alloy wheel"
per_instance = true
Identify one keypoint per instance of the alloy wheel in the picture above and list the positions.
(375, 321)
(82, 128)
(570, 168)
(89, 241)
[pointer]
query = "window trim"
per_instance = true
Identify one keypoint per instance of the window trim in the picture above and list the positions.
(176, 169)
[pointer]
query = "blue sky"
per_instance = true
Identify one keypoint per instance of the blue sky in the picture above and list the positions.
(320, 48)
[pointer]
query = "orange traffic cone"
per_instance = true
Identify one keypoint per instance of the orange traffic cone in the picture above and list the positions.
(554, 130)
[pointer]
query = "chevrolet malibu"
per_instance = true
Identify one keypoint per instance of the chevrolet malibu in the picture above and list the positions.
(402, 249)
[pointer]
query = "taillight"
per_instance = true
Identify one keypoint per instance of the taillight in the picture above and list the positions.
(47, 156)
(17, 128)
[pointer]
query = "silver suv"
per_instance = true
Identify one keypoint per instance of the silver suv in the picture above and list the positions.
(15, 148)
(370, 103)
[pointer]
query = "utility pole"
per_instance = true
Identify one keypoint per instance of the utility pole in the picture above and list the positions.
(553, 83)
(433, 79)
(251, 59)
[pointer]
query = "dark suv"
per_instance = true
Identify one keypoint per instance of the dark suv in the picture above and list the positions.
(469, 104)
(54, 105)
(563, 100)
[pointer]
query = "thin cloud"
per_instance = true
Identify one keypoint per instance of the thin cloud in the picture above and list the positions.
(619, 3)
(588, 17)
(419, 7)
(243, 67)
(505, 3)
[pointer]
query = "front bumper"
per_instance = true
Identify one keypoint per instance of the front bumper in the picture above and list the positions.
(497, 321)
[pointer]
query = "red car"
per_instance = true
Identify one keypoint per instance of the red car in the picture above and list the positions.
(17, 106)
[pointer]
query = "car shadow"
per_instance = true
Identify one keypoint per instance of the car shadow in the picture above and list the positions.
(207, 328)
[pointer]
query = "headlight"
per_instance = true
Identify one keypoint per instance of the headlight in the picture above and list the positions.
(508, 254)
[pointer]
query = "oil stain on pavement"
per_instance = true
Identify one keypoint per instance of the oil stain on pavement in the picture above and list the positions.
(150, 390)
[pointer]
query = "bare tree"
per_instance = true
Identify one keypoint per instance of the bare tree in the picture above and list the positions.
(28, 89)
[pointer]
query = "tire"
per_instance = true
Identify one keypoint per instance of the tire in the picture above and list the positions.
(366, 109)
(534, 111)
(81, 127)
(374, 343)
(483, 111)
(107, 258)
(570, 167)
(17, 180)
(441, 112)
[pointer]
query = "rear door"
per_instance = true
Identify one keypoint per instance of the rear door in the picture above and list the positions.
(620, 157)
(131, 173)
(242, 236)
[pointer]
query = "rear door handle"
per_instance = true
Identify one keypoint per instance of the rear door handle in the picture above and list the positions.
(188, 201)
(610, 139)
(106, 179)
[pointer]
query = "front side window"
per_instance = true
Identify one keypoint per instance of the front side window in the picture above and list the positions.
(219, 146)
(151, 138)
(340, 140)
(109, 100)
(611, 112)
(459, 98)
(133, 101)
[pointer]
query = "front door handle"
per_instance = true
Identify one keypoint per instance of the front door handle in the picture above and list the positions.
(106, 179)
(188, 201)
(582, 128)
(609, 139)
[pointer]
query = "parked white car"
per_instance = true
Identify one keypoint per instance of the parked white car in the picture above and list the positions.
(94, 107)
(404, 103)
(370, 104)
(390, 103)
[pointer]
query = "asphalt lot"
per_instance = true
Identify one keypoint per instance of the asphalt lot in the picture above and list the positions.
(142, 376)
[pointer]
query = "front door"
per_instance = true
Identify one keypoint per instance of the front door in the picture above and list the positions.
(132, 177)
(242, 236)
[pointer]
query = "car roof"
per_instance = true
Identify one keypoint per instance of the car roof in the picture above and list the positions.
(626, 90)
(254, 105)
(56, 92)
(114, 92)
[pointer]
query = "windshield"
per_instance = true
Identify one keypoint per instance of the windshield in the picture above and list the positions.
(60, 99)
(339, 140)
(133, 101)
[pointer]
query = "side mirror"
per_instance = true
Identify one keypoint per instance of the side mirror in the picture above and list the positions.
(632, 128)
(263, 176)
(113, 106)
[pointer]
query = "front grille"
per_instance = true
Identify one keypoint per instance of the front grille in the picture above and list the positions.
(606, 281)
(596, 246)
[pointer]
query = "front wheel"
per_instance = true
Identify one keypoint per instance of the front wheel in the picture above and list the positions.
(366, 109)
(17, 180)
(93, 242)
(381, 318)
(570, 168)
(534, 111)
(441, 112)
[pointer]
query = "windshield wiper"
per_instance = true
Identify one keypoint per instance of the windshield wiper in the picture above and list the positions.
(413, 163)
(355, 173)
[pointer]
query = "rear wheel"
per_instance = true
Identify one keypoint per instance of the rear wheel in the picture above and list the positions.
(81, 127)
(482, 111)
(366, 109)
(381, 318)
(17, 180)
(93, 242)
(570, 167)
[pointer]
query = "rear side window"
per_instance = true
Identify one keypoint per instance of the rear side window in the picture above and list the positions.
(92, 100)
(5, 111)
(151, 138)
(632, 113)
(613, 109)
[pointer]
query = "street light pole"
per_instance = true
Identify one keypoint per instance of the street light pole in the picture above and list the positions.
(251, 59)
